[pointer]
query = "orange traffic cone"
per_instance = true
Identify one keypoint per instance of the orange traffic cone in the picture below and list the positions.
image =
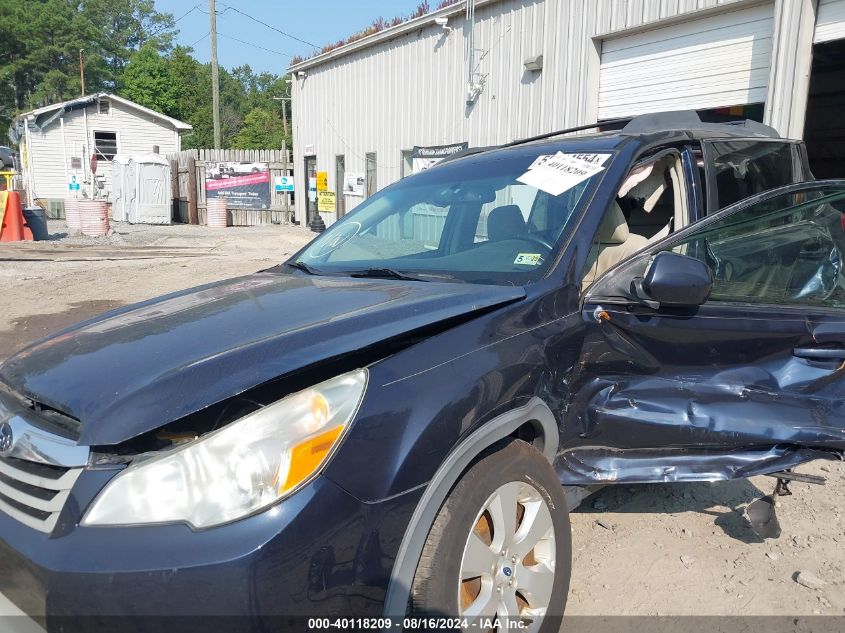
(12, 225)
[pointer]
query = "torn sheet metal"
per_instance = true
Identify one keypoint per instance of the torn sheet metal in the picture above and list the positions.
(589, 466)
(741, 401)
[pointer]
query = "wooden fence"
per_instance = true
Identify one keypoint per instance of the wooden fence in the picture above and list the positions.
(188, 175)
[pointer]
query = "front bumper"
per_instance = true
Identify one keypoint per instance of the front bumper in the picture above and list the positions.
(319, 553)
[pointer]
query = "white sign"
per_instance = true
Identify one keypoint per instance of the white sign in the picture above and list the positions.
(423, 158)
(559, 173)
(353, 184)
(283, 183)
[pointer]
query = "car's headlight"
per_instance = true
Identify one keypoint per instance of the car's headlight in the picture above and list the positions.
(239, 469)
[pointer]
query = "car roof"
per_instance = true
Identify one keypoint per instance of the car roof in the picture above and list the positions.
(668, 127)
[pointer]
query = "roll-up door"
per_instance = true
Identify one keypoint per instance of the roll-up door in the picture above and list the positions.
(711, 62)
(830, 23)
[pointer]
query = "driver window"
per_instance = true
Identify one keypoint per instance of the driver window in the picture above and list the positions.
(648, 207)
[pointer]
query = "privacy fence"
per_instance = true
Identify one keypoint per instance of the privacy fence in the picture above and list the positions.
(253, 182)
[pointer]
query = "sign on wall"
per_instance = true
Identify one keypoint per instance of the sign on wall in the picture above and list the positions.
(283, 183)
(246, 185)
(326, 202)
(353, 184)
(322, 181)
(423, 158)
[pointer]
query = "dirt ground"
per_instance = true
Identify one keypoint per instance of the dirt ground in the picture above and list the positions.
(672, 549)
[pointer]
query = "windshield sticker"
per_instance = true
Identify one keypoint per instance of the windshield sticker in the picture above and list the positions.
(560, 173)
(528, 259)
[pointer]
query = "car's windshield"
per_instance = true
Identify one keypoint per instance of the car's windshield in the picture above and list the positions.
(482, 220)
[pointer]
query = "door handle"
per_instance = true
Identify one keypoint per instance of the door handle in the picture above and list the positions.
(819, 353)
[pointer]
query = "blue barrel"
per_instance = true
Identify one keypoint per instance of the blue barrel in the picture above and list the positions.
(36, 220)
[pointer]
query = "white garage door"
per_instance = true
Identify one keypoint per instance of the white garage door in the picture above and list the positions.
(830, 23)
(711, 62)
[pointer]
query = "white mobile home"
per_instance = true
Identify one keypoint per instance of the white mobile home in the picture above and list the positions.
(58, 142)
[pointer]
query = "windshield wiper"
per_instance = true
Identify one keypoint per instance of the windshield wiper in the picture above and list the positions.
(383, 273)
(303, 267)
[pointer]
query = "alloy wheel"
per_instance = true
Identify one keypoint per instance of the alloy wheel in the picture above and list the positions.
(508, 563)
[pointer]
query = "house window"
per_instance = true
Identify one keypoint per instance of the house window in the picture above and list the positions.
(105, 106)
(105, 145)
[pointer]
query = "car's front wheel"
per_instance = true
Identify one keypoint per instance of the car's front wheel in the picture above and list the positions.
(501, 543)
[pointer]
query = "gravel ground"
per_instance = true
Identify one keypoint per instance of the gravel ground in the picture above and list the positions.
(671, 549)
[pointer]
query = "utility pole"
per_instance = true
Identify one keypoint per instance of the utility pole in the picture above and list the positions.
(81, 73)
(215, 77)
(284, 112)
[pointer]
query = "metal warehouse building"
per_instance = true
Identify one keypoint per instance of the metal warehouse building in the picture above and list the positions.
(497, 70)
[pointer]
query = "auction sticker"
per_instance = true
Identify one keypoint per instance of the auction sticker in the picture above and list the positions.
(560, 173)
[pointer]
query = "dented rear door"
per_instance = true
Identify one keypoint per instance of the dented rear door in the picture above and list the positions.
(751, 382)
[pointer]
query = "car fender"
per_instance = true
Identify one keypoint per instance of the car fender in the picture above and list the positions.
(534, 411)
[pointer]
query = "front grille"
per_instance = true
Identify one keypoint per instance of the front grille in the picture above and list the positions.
(35, 493)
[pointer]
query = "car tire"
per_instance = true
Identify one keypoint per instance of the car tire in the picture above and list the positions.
(475, 563)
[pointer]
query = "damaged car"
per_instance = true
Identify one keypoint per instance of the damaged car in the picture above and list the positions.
(396, 421)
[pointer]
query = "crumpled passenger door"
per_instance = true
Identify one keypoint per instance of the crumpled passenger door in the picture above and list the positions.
(750, 382)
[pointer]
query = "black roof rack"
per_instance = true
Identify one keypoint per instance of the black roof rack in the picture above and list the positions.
(644, 124)
(661, 122)
(578, 128)
(689, 120)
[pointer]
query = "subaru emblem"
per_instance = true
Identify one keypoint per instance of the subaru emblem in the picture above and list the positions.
(5, 438)
(507, 571)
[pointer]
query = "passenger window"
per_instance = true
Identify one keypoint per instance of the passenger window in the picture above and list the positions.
(745, 168)
(786, 250)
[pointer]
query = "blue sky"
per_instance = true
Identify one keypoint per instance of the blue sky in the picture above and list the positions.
(315, 21)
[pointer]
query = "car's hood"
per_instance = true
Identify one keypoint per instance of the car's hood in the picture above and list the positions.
(131, 371)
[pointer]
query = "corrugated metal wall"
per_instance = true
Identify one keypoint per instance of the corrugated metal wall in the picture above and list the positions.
(411, 90)
(831, 21)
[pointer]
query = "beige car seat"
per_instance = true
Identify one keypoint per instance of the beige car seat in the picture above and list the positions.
(615, 243)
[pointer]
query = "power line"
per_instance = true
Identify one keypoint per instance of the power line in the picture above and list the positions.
(199, 40)
(269, 26)
(184, 15)
(269, 50)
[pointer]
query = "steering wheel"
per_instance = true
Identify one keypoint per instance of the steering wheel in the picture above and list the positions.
(528, 237)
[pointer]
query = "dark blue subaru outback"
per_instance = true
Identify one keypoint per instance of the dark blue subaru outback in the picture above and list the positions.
(395, 421)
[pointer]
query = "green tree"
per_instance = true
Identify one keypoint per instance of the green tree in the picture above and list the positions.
(40, 42)
(262, 129)
(129, 50)
(149, 80)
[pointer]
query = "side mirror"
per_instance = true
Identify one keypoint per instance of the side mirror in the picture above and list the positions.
(674, 280)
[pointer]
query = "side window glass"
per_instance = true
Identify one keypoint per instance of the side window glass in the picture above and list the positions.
(745, 168)
(785, 250)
